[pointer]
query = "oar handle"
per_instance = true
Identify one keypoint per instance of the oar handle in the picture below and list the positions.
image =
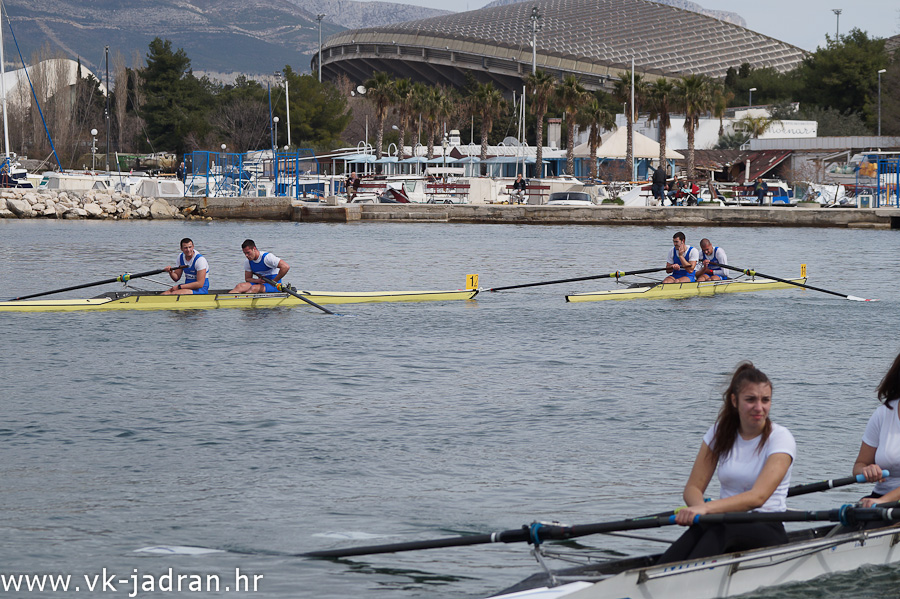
(829, 484)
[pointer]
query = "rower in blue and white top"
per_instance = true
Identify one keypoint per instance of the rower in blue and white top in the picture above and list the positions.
(682, 261)
(258, 264)
(196, 272)
(709, 261)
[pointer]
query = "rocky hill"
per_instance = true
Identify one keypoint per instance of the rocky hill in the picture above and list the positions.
(220, 37)
(728, 17)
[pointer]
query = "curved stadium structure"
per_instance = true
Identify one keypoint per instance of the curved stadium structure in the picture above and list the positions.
(593, 39)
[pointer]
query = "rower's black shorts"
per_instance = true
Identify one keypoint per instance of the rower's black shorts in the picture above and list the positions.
(705, 540)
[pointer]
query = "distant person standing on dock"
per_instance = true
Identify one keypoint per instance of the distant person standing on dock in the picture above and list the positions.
(682, 261)
(259, 264)
(195, 268)
(658, 188)
(352, 184)
(180, 172)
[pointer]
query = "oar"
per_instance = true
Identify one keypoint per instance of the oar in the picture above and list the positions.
(753, 273)
(120, 279)
(829, 484)
(611, 275)
(537, 531)
(846, 515)
(290, 291)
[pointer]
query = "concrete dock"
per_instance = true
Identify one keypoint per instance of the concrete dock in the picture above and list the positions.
(748, 216)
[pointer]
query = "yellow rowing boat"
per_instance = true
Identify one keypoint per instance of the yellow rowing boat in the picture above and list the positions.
(684, 290)
(139, 300)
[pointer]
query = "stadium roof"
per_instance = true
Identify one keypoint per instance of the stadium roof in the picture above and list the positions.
(594, 39)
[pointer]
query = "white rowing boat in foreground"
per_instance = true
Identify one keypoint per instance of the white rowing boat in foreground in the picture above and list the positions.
(810, 554)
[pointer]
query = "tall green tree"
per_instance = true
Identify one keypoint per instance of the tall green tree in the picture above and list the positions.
(176, 103)
(694, 98)
(540, 86)
(622, 92)
(844, 74)
(405, 103)
(319, 115)
(595, 115)
(490, 105)
(660, 98)
(570, 97)
(381, 93)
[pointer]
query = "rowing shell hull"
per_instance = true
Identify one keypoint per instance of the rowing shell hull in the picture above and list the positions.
(138, 301)
(734, 574)
(683, 290)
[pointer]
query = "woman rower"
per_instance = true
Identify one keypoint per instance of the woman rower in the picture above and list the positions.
(753, 457)
(880, 448)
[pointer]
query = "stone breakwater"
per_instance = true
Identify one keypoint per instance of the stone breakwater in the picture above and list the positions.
(30, 203)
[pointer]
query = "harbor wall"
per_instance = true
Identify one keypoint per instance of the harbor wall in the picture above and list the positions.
(49, 204)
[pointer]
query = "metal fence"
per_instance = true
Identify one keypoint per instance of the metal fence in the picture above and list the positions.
(254, 174)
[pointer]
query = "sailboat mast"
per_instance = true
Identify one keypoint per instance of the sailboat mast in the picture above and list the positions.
(3, 86)
(107, 110)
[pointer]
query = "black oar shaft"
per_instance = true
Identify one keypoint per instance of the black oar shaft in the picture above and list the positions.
(823, 485)
(752, 273)
(290, 291)
(119, 279)
(572, 280)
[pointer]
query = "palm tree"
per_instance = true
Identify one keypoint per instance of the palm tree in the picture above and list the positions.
(755, 126)
(721, 97)
(596, 116)
(694, 98)
(403, 90)
(380, 92)
(622, 93)
(540, 85)
(570, 97)
(438, 108)
(661, 96)
(490, 104)
(418, 102)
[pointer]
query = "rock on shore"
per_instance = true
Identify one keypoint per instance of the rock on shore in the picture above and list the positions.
(31, 203)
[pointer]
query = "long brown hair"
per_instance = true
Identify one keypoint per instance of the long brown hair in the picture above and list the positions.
(889, 387)
(728, 423)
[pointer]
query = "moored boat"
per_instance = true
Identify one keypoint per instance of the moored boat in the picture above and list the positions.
(142, 300)
(684, 290)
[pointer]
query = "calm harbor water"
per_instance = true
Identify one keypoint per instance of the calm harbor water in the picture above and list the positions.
(262, 434)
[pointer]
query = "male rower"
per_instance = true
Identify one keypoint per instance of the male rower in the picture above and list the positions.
(196, 271)
(709, 263)
(682, 261)
(258, 264)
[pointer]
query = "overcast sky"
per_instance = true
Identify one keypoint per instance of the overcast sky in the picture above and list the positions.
(802, 23)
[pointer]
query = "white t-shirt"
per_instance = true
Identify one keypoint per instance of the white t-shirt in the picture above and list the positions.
(270, 260)
(718, 256)
(692, 255)
(883, 433)
(738, 471)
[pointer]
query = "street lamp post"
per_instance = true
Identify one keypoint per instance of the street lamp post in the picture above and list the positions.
(94, 145)
(535, 27)
(445, 145)
(275, 120)
(837, 28)
(752, 89)
(319, 19)
(879, 100)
